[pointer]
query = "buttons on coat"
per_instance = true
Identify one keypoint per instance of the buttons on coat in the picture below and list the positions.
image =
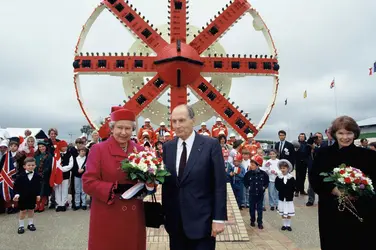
(133, 207)
(124, 208)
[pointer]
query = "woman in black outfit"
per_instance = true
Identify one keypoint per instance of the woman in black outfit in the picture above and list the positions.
(342, 230)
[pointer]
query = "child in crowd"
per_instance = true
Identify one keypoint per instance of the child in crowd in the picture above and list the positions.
(236, 174)
(29, 147)
(27, 193)
(271, 168)
(256, 181)
(79, 166)
(159, 149)
(246, 155)
(43, 161)
(61, 190)
(285, 184)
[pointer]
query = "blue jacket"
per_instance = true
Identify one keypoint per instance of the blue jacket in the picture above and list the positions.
(257, 181)
(238, 177)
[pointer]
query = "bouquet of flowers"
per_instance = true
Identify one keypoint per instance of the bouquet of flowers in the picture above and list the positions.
(146, 168)
(352, 183)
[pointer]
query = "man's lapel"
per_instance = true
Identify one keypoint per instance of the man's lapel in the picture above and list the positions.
(173, 166)
(195, 153)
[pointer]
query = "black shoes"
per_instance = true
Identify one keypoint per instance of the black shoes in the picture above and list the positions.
(31, 227)
(21, 230)
(253, 224)
(264, 209)
(272, 208)
(76, 208)
(303, 193)
(84, 208)
(52, 206)
(309, 204)
(286, 228)
(296, 194)
(260, 226)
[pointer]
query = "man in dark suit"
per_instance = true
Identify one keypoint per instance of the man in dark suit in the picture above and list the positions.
(284, 148)
(194, 196)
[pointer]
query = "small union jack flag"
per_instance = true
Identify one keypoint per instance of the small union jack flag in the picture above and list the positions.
(6, 178)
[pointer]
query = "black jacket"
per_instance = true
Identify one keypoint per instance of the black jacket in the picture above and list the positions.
(65, 162)
(334, 224)
(288, 152)
(285, 191)
(50, 146)
(303, 153)
(257, 181)
(75, 168)
(28, 190)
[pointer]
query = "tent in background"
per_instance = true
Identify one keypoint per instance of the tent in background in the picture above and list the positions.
(38, 133)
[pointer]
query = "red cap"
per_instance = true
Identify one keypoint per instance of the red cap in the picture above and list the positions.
(114, 108)
(238, 157)
(62, 144)
(258, 159)
(120, 113)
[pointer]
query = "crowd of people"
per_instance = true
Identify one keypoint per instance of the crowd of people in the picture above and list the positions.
(46, 171)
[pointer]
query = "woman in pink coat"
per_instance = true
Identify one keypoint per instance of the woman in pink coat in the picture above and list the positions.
(115, 223)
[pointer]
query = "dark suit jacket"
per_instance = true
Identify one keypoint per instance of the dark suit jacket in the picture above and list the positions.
(200, 196)
(28, 190)
(290, 149)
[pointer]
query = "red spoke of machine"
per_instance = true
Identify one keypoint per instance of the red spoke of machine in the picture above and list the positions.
(178, 95)
(178, 22)
(223, 107)
(113, 63)
(220, 25)
(237, 65)
(151, 91)
(133, 20)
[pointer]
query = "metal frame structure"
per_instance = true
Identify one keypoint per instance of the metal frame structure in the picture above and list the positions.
(180, 63)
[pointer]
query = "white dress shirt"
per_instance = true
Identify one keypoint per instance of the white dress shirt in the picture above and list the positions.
(179, 150)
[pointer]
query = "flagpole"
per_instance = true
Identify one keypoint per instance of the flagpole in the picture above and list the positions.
(335, 96)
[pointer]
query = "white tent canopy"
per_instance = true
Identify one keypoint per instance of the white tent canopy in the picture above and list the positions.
(16, 132)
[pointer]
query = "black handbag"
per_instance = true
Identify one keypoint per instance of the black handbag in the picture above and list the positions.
(154, 216)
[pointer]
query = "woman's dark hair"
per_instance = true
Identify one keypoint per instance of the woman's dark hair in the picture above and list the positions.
(345, 122)
(220, 138)
(157, 143)
(237, 143)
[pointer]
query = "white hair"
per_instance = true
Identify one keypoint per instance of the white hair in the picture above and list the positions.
(95, 132)
(111, 124)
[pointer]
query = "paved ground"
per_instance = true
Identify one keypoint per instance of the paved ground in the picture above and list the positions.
(69, 231)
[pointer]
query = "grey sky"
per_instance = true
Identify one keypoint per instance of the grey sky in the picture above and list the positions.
(316, 40)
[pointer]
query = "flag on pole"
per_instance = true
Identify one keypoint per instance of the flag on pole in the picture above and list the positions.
(372, 69)
(333, 83)
(305, 94)
(286, 102)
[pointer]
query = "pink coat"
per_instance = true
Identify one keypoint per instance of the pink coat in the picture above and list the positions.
(114, 224)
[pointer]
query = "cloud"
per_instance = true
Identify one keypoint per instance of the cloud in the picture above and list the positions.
(316, 41)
